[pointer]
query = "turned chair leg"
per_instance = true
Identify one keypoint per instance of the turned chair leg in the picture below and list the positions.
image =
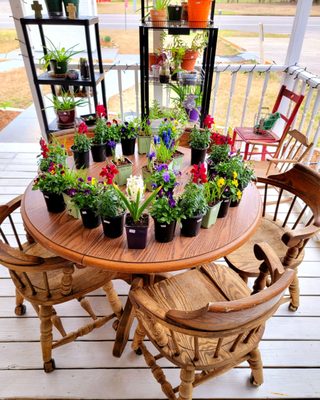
(186, 387)
(139, 335)
(114, 301)
(20, 308)
(46, 337)
(255, 363)
(294, 294)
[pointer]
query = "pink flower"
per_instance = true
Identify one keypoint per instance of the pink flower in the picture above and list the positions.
(82, 128)
(199, 174)
(101, 111)
(208, 121)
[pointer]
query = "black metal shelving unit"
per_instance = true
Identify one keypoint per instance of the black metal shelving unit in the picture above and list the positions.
(96, 77)
(177, 28)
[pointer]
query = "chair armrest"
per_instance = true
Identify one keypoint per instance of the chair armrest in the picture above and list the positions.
(294, 238)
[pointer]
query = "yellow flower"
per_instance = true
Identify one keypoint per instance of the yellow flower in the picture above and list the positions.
(235, 175)
(93, 181)
(235, 182)
(239, 194)
(221, 182)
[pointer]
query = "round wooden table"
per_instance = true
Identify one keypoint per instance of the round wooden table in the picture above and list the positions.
(66, 236)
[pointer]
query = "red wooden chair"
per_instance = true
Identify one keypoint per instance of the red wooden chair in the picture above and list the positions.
(269, 138)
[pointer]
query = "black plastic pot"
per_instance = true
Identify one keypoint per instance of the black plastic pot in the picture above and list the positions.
(234, 203)
(98, 152)
(136, 234)
(198, 156)
(90, 219)
(224, 207)
(164, 78)
(108, 150)
(55, 202)
(191, 226)
(81, 159)
(128, 146)
(174, 13)
(113, 226)
(164, 233)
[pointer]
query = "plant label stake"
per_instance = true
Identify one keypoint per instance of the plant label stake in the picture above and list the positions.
(71, 8)
(37, 9)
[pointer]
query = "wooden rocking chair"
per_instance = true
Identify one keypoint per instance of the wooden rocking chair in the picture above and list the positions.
(205, 320)
(45, 280)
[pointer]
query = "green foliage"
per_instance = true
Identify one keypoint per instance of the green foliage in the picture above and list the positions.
(81, 142)
(213, 190)
(199, 139)
(193, 201)
(218, 153)
(165, 210)
(144, 127)
(129, 130)
(163, 153)
(53, 152)
(161, 4)
(99, 131)
(59, 54)
(110, 203)
(164, 177)
(86, 194)
(112, 132)
(65, 102)
(52, 181)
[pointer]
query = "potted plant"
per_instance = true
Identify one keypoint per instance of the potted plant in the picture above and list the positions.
(128, 133)
(65, 109)
(158, 14)
(52, 184)
(136, 221)
(165, 178)
(174, 12)
(54, 8)
(124, 167)
(111, 207)
(198, 13)
(213, 191)
(165, 212)
(81, 147)
(193, 207)
(86, 199)
(199, 143)
(144, 136)
(111, 136)
(53, 152)
(147, 170)
(57, 59)
(98, 142)
(192, 52)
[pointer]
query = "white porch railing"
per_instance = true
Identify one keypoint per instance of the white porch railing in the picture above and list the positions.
(238, 93)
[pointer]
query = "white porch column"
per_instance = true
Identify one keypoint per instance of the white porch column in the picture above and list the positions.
(297, 36)
(18, 12)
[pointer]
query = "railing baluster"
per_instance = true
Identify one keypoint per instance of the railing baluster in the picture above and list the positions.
(233, 84)
(120, 92)
(263, 92)
(215, 93)
(248, 88)
(313, 114)
(307, 103)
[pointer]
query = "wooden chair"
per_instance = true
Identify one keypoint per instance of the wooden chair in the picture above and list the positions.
(293, 149)
(205, 320)
(45, 280)
(270, 138)
(286, 227)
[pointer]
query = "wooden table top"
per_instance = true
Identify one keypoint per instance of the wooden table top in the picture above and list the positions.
(66, 236)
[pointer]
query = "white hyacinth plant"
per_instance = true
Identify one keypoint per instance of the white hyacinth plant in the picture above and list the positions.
(134, 200)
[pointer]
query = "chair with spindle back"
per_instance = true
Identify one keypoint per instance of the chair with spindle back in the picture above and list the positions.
(291, 216)
(292, 150)
(205, 320)
(45, 280)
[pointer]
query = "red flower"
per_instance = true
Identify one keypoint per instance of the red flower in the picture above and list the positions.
(109, 172)
(44, 148)
(199, 173)
(208, 121)
(101, 111)
(82, 128)
(108, 124)
(217, 138)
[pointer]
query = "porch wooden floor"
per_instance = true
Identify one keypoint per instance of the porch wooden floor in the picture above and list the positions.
(86, 368)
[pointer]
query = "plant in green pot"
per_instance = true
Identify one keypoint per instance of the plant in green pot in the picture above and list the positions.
(111, 207)
(213, 191)
(144, 136)
(81, 147)
(136, 221)
(193, 204)
(57, 59)
(199, 143)
(52, 184)
(86, 199)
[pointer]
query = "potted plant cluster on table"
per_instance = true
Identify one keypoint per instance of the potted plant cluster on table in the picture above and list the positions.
(137, 220)
(81, 147)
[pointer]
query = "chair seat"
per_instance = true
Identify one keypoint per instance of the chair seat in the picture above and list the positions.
(193, 290)
(243, 260)
(261, 167)
(248, 134)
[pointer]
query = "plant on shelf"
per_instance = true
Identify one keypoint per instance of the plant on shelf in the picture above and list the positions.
(57, 58)
(158, 12)
(199, 143)
(111, 207)
(137, 220)
(81, 147)
(52, 184)
(86, 199)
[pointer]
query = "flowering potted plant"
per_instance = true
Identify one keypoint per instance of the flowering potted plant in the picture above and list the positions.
(98, 142)
(81, 147)
(53, 152)
(193, 207)
(86, 199)
(192, 106)
(147, 170)
(128, 134)
(52, 184)
(213, 191)
(164, 177)
(166, 212)
(111, 207)
(111, 136)
(124, 167)
(136, 221)
(144, 136)
(199, 143)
